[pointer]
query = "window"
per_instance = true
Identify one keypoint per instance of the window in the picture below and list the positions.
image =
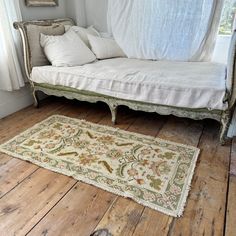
(227, 24)
(228, 16)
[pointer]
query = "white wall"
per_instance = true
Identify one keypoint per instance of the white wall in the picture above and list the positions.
(75, 9)
(11, 102)
(36, 13)
(96, 13)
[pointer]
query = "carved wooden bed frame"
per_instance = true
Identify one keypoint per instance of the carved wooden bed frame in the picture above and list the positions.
(224, 117)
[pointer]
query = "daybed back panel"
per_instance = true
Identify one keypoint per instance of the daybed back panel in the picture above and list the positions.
(30, 33)
(33, 31)
(37, 56)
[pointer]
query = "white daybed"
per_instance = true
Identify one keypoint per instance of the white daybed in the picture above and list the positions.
(197, 90)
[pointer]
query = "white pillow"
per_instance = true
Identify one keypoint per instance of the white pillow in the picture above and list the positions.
(105, 48)
(106, 35)
(66, 50)
(83, 32)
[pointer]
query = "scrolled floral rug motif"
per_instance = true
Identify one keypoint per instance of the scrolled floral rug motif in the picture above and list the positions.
(151, 171)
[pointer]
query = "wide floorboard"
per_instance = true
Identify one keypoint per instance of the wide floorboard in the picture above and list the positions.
(35, 201)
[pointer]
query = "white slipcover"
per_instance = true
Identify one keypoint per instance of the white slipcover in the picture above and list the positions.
(180, 84)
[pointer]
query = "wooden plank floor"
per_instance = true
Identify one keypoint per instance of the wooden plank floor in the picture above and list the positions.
(35, 201)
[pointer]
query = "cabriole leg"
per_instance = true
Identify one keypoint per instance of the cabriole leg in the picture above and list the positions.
(36, 99)
(225, 123)
(113, 109)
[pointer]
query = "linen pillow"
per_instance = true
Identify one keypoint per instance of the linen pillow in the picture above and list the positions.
(66, 50)
(37, 56)
(105, 48)
(106, 35)
(83, 32)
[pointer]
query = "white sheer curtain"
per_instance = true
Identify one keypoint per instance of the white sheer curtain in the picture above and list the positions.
(183, 30)
(11, 77)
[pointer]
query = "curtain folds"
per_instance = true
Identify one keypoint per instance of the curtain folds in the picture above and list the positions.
(11, 77)
(181, 30)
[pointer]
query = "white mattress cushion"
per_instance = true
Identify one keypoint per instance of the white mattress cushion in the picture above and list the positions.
(181, 84)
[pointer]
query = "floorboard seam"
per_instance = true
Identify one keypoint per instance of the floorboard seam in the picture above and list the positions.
(18, 183)
(139, 220)
(76, 182)
(108, 208)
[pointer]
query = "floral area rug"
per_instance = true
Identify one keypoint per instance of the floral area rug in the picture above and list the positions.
(151, 171)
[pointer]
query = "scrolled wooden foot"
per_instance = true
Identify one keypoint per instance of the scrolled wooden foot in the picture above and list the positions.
(113, 109)
(225, 123)
(36, 99)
